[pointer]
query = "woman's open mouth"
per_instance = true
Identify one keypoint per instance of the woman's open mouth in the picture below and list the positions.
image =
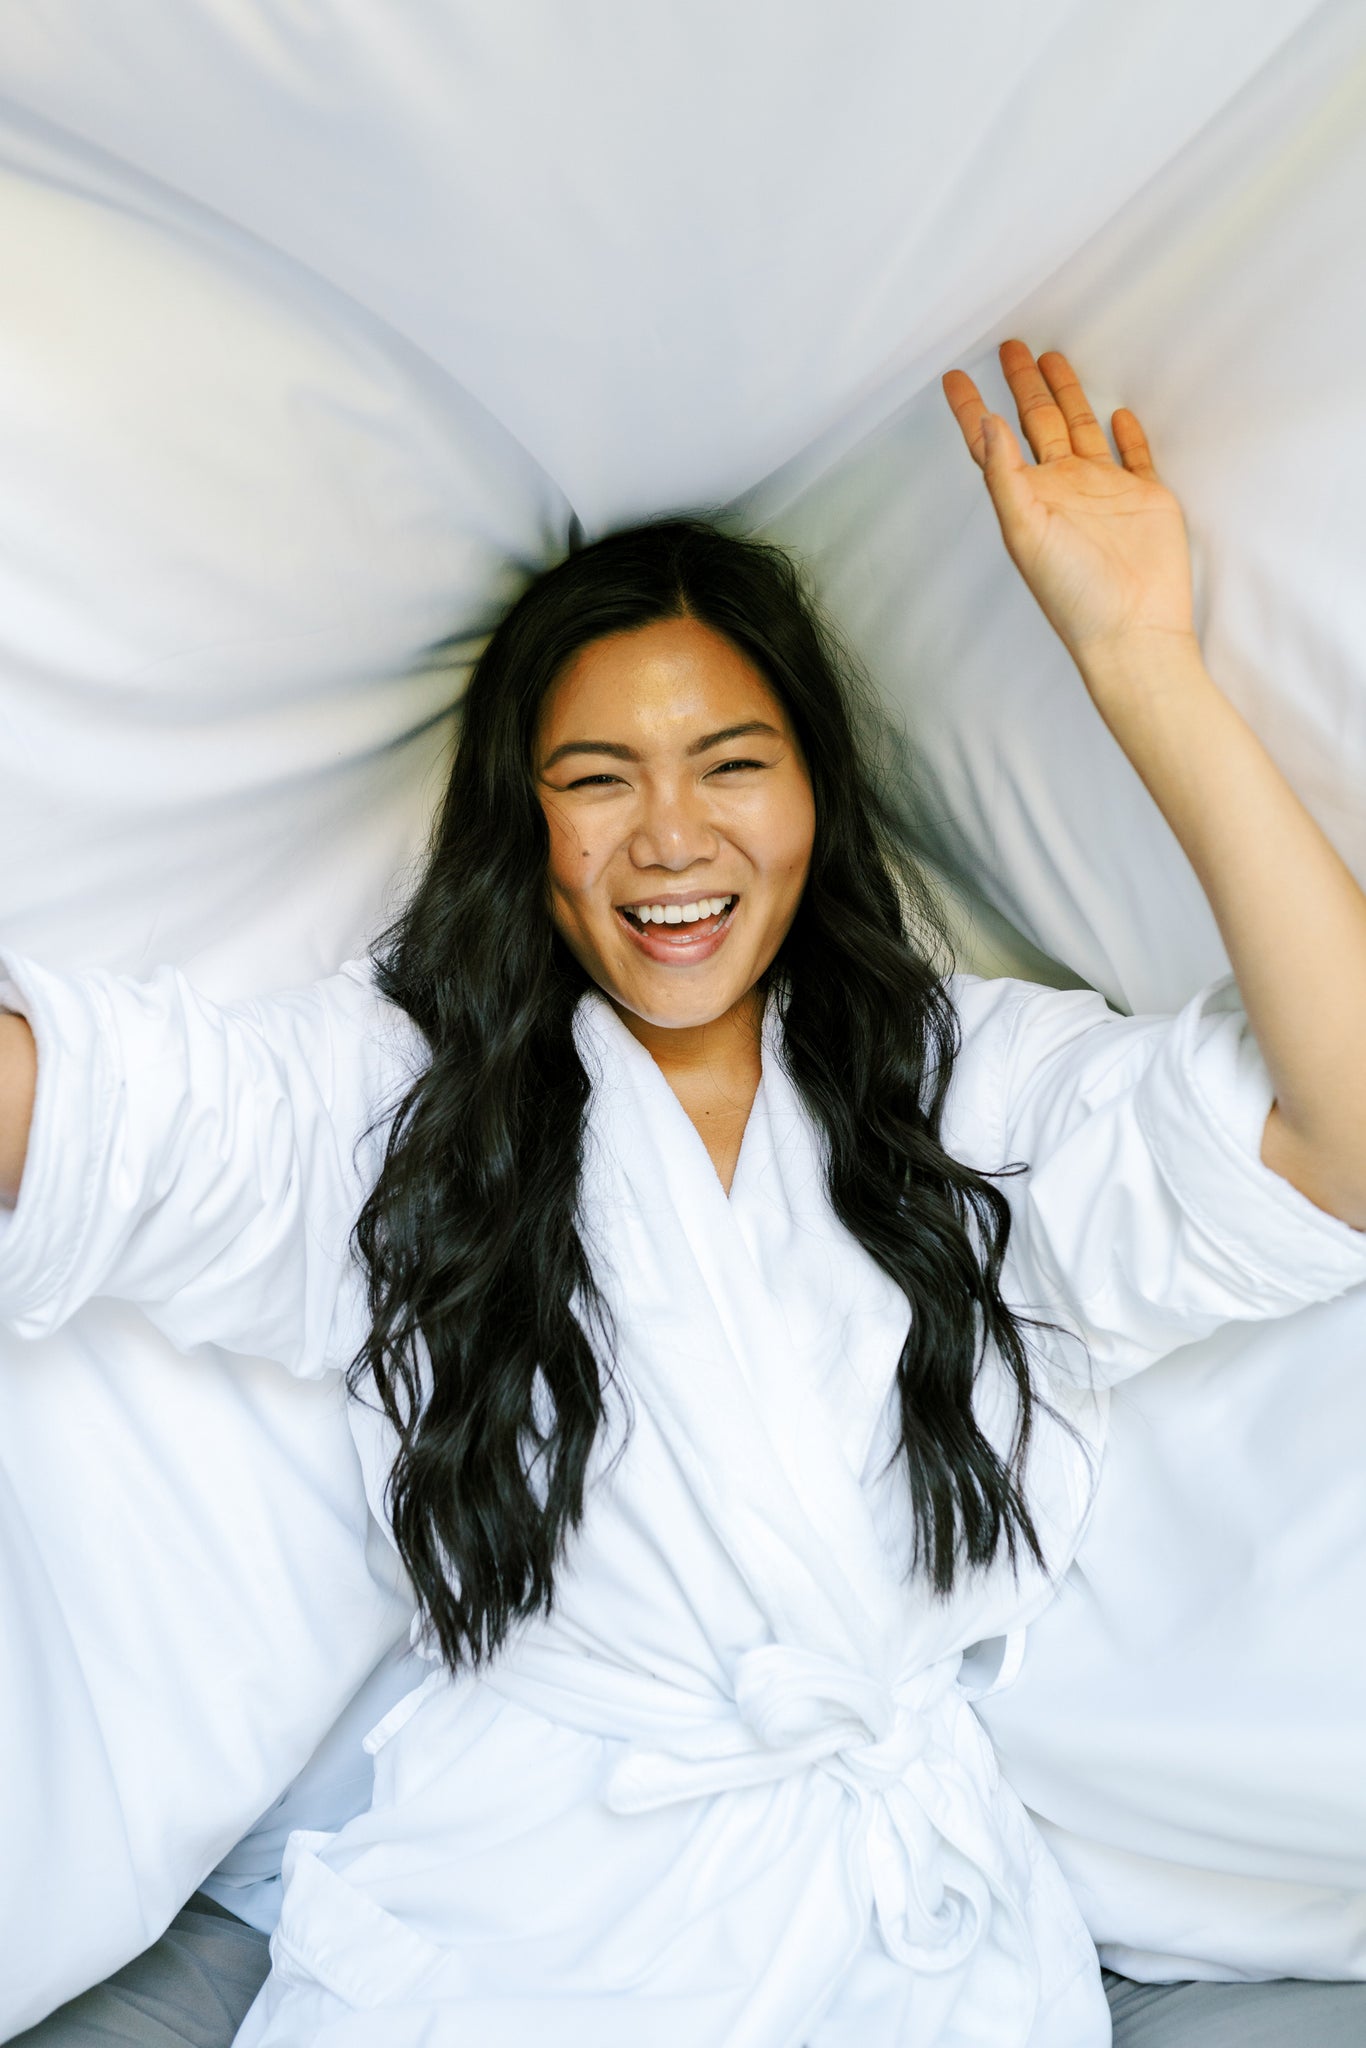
(678, 929)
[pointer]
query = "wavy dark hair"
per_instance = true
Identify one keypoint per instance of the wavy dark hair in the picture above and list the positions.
(494, 1384)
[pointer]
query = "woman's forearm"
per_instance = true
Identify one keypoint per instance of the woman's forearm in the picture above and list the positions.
(1291, 914)
(1103, 546)
(18, 1078)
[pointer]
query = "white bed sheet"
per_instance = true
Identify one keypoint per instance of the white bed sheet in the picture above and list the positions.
(317, 329)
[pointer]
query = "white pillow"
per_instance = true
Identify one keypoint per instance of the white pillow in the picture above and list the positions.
(1216, 305)
(235, 517)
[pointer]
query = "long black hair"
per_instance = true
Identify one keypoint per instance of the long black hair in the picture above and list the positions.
(494, 1384)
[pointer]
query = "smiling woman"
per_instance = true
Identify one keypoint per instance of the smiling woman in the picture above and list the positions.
(679, 849)
(736, 1292)
(659, 721)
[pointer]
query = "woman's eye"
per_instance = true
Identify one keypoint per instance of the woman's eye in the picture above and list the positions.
(593, 781)
(722, 766)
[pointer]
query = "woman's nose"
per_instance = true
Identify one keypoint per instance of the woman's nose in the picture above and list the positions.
(672, 831)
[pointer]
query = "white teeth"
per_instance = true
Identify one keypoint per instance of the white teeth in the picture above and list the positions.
(681, 913)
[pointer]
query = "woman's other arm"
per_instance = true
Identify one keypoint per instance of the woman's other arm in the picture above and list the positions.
(203, 1161)
(18, 1080)
(1103, 548)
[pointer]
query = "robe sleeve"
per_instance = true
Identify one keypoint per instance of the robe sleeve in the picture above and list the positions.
(204, 1161)
(1144, 1217)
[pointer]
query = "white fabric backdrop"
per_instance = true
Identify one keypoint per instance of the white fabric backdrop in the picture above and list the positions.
(317, 327)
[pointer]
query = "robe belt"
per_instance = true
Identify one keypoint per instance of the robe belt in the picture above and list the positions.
(911, 1755)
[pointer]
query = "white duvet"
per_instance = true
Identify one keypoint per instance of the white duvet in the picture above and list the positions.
(320, 327)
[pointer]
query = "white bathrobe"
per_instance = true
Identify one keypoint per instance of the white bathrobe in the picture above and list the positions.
(733, 1790)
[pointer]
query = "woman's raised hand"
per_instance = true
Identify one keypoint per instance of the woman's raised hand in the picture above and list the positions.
(1102, 544)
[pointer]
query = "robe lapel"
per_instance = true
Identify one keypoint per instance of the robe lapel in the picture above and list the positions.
(704, 1342)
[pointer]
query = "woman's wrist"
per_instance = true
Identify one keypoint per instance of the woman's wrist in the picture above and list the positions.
(1161, 704)
(1205, 769)
(1145, 662)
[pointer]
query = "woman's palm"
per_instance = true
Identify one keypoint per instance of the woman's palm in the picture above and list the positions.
(1102, 544)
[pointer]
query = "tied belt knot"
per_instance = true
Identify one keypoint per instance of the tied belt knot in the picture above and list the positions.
(910, 1755)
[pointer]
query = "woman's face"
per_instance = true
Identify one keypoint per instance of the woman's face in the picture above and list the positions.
(681, 819)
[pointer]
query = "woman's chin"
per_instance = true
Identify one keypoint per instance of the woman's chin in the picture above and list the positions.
(705, 1000)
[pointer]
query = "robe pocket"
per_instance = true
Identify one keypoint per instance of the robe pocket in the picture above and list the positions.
(335, 1938)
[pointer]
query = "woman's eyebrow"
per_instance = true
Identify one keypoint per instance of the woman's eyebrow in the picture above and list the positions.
(620, 753)
(734, 732)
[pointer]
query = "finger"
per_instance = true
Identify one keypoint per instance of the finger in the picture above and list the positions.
(1045, 429)
(968, 409)
(1086, 433)
(1132, 444)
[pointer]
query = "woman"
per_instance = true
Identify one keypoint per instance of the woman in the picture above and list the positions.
(728, 1383)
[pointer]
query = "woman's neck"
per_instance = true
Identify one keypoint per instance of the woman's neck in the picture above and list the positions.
(714, 1069)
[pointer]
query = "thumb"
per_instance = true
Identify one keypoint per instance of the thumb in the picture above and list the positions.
(1001, 452)
(1003, 468)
